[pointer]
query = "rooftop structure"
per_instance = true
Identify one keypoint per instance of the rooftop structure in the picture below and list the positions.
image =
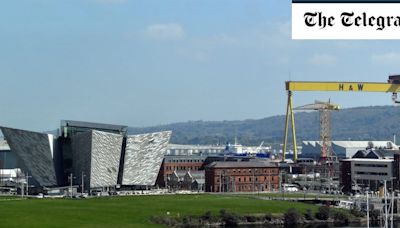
(69, 127)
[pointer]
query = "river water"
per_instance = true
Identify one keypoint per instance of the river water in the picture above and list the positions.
(375, 225)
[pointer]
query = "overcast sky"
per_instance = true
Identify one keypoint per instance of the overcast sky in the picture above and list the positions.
(144, 63)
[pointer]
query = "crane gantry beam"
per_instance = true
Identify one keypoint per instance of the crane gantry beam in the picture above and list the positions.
(392, 86)
(342, 86)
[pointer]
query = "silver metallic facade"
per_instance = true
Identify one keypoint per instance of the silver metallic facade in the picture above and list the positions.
(96, 155)
(100, 154)
(36, 153)
(143, 157)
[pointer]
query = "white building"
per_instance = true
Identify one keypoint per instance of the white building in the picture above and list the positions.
(178, 149)
(343, 149)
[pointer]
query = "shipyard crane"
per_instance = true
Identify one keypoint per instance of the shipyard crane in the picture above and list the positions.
(391, 86)
(324, 109)
(260, 146)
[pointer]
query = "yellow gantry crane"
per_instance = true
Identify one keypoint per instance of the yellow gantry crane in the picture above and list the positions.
(392, 86)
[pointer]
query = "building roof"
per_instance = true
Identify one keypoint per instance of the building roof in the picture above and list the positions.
(172, 158)
(196, 147)
(242, 164)
(367, 160)
(200, 181)
(374, 154)
(360, 154)
(99, 126)
(385, 153)
(197, 174)
(352, 144)
(180, 173)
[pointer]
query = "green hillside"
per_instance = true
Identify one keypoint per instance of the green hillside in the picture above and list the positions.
(362, 123)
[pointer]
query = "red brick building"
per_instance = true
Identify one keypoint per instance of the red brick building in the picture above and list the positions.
(178, 163)
(241, 176)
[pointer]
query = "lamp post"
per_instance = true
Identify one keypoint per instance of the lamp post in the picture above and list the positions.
(367, 210)
(27, 183)
(19, 176)
(392, 203)
(83, 184)
(386, 209)
(70, 180)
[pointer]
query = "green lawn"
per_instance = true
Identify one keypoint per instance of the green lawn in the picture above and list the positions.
(299, 195)
(132, 211)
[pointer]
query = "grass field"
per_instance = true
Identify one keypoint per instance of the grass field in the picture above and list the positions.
(301, 195)
(132, 211)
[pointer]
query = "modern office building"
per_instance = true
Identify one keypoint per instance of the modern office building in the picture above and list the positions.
(367, 170)
(95, 155)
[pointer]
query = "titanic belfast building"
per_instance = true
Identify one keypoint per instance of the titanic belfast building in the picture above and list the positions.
(104, 155)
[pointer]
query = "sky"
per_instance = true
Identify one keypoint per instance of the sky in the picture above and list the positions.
(145, 63)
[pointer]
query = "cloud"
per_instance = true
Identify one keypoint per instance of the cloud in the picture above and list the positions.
(386, 59)
(322, 59)
(170, 31)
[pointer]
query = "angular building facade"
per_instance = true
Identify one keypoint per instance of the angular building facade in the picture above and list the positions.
(103, 155)
(143, 157)
(96, 157)
(36, 155)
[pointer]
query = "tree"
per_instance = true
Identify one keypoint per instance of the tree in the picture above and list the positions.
(323, 213)
(292, 216)
(341, 217)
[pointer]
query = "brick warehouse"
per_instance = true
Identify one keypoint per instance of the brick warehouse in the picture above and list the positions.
(250, 176)
(178, 163)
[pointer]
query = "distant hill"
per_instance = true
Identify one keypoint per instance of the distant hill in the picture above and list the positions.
(362, 123)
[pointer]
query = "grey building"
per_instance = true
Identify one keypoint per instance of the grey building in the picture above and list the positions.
(143, 157)
(367, 169)
(103, 155)
(36, 154)
(96, 157)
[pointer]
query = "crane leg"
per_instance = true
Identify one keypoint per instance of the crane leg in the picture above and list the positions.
(293, 126)
(288, 110)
